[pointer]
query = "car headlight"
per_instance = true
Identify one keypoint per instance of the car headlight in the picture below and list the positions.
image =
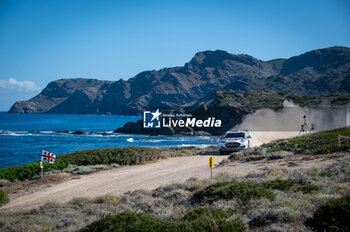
(222, 143)
(243, 140)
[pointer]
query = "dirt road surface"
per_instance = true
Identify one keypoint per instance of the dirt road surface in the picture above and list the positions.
(119, 180)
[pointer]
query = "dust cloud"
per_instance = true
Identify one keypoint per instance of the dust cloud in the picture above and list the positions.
(267, 125)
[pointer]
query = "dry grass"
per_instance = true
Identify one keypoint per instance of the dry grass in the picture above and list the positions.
(24, 187)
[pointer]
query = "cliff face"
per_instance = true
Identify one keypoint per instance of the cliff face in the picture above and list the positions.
(317, 72)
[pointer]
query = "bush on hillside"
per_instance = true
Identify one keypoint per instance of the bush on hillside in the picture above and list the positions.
(203, 219)
(324, 142)
(282, 185)
(243, 192)
(4, 198)
(28, 171)
(307, 189)
(130, 221)
(197, 220)
(334, 215)
(121, 156)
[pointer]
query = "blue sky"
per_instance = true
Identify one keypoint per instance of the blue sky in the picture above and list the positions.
(42, 40)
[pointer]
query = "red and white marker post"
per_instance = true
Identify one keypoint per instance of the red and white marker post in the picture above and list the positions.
(41, 167)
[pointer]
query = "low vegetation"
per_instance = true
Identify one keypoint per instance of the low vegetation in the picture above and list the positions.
(282, 185)
(199, 219)
(131, 221)
(307, 189)
(93, 160)
(324, 142)
(254, 99)
(182, 148)
(334, 99)
(258, 99)
(28, 171)
(325, 174)
(334, 215)
(121, 156)
(4, 198)
(268, 201)
(242, 192)
(206, 219)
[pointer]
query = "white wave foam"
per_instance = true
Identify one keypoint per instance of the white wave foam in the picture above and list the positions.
(11, 133)
(46, 132)
(195, 145)
(154, 140)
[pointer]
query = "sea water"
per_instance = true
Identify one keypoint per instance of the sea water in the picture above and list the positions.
(24, 136)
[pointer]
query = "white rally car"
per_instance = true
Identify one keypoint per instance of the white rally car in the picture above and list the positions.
(234, 140)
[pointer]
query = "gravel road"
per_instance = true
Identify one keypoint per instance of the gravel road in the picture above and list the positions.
(119, 180)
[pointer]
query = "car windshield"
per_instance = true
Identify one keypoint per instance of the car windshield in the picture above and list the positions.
(235, 135)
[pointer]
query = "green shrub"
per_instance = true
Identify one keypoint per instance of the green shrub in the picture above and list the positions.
(27, 171)
(334, 215)
(271, 149)
(4, 198)
(121, 156)
(182, 148)
(282, 185)
(307, 189)
(243, 192)
(196, 220)
(325, 174)
(202, 219)
(130, 221)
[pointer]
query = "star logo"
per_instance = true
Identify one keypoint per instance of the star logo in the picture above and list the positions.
(151, 119)
(156, 115)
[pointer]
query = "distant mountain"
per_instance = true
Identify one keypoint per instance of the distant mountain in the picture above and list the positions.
(318, 72)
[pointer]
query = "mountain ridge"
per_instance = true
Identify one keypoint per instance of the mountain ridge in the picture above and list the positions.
(317, 72)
